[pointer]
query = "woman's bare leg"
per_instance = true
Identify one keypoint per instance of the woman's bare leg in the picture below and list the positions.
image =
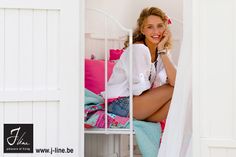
(151, 101)
(161, 114)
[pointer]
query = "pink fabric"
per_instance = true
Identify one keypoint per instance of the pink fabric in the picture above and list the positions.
(115, 54)
(163, 123)
(95, 74)
(113, 99)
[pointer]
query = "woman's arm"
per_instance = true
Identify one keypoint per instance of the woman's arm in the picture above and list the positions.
(141, 68)
(169, 67)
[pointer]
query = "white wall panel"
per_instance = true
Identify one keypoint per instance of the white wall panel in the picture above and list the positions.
(71, 76)
(52, 125)
(25, 115)
(218, 148)
(1, 126)
(25, 49)
(233, 70)
(36, 4)
(231, 152)
(95, 46)
(215, 23)
(214, 152)
(39, 76)
(53, 49)
(218, 68)
(25, 66)
(10, 116)
(25, 70)
(105, 146)
(132, 8)
(11, 48)
(40, 129)
(2, 47)
(11, 38)
(39, 49)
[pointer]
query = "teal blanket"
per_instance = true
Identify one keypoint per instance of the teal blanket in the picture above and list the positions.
(148, 137)
(147, 134)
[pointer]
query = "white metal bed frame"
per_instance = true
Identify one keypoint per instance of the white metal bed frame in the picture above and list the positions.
(107, 130)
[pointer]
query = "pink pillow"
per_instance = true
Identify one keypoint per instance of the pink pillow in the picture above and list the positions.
(95, 74)
(115, 54)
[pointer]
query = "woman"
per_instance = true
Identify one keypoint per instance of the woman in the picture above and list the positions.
(153, 71)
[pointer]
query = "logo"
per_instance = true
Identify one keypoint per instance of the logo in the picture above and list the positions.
(18, 138)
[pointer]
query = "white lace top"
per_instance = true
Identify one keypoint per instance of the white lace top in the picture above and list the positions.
(145, 74)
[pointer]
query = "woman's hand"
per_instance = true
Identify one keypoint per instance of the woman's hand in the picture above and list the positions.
(165, 37)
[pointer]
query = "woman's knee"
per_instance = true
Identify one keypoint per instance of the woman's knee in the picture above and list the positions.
(138, 116)
(138, 112)
(169, 89)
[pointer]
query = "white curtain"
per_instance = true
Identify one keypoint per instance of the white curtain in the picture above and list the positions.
(177, 137)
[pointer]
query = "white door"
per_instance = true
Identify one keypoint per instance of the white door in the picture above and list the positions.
(39, 74)
(214, 84)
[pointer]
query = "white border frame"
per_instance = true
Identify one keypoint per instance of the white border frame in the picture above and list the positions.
(81, 81)
(196, 143)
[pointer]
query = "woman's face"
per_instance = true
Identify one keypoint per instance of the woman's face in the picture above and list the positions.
(153, 29)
